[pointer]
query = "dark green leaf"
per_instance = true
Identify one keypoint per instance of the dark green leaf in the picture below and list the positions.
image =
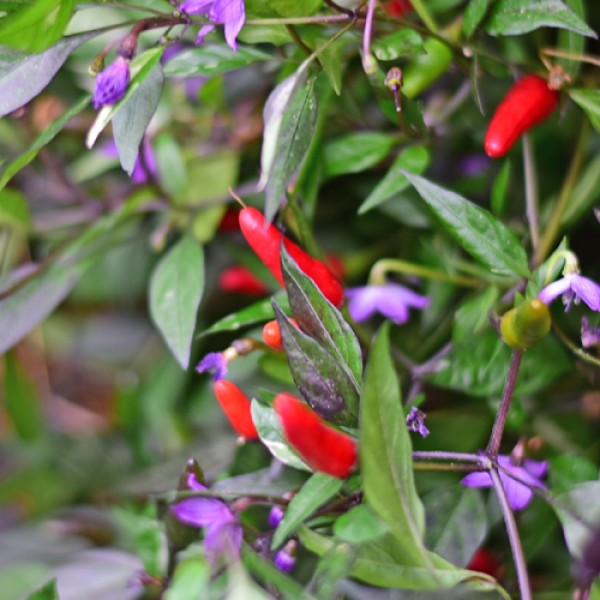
(571, 43)
(26, 76)
(317, 374)
(456, 523)
(37, 25)
(569, 470)
(589, 101)
(290, 117)
(47, 592)
(213, 59)
(585, 193)
(476, 10)
(271, 435)
(175, 293)
(13, 167)
(414, 159)
(474, 228)
(23, 402)
(356, 152)
(314, 493)
(130, 123)
(386, 454)
(514, 17)
(359, 525)
(473, 315)
(499, 194)
(404, 43)
(319, 319)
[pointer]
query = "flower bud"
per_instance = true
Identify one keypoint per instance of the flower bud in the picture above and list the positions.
(526, 325)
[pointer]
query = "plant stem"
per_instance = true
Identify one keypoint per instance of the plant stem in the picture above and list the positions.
(513, 536)
(449, 466)
(531, 192)
(442, 455)
(385, 265)
(319, 20)
(499, 423)
(368, 60)
(553, 227)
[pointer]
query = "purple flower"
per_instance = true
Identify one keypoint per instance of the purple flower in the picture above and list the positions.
(590, 336)
(141, 168)
(573, 288)
(415, 421)
(284, 562)
(518, 494)
(111, 83)
(215, 363)
(223, 534)
(275, 516)
(230, 13)
(391, 300)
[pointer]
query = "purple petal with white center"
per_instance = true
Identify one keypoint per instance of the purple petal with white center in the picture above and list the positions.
(554, 290)
(202, 512)
(587, 290)
(362, 303)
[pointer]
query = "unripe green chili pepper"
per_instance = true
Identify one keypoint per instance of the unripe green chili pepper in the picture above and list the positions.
(526, 325)
(421, 72)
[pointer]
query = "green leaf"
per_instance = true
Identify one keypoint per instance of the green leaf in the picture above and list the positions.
(258, 312)
(141, 67)
(499, 194)
(585, 193)
(190, 580)
(414, 159)
(356, 152)
(314, 493)
(319, 319)
(130, 123)
(473, 15)
(456, 523)
(386, 453)
(571, 43)
(213, 59)
(290, 117)
(36, 295)
(175, 292)
(37, 25)
(14, 210)
(359, 525)
(404, 43)
(473, 315)
(170, 164)
(475, 229)
(25, 76)
(326, 387)
(47, 592)
(579, 515)
(13, 167)
(514, 17)
(589, 101)
(384, 564)
(271, 435)
(23, 402)
(569, 470)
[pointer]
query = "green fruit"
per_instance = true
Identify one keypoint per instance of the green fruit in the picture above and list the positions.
(526, 325)
(421, 72)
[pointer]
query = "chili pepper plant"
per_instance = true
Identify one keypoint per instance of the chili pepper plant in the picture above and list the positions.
(298, 299)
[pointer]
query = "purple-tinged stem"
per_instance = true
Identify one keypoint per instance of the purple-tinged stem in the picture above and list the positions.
(369, 64)
(513, 536)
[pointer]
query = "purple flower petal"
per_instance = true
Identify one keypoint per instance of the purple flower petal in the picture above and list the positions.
(518, 495)
(393, 307)
(362, 303)
(477, 479)
(215, 363)
(537, 469)
(111, 83)
(232, 14)
(284, 561)
(202, 512)
(590, 336)
(204, 31)
(554, 290)
(196, 7)
(415, 421)
(275, 516)
(587, 290)
(223, 539)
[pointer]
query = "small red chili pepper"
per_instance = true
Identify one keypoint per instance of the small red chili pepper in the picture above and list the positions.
(265, 239)
(398, 8)
(230, 220)
(322, 447)
(240, 280)
(236, 406)
(272, 334)
(528, 102)
(485, 562)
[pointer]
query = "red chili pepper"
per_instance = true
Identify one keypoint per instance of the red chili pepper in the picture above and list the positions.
(230, 220)
(265, 239)
(236, 406)
(240, 280)
(527, 103)
(272, 334)
(398, 8)
(322, 447)
(485, 562)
